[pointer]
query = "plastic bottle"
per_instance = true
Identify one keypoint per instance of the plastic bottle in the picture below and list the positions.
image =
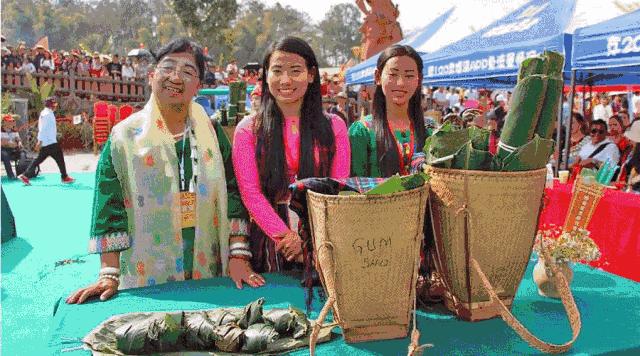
(549, 181)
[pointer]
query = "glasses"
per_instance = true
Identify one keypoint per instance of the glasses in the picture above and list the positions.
(185, 72)
(596, 131)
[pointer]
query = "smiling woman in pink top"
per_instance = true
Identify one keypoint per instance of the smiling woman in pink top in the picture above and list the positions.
(289, 138)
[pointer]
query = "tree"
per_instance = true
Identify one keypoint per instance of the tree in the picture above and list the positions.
(259, 26)
(207, 20)
(339, 32)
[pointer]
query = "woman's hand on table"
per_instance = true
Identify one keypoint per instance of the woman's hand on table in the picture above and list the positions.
(240, 271)
(290, 246)
(105, 288)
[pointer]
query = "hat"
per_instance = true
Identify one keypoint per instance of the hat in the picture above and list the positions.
(50, 100)
(342, 95)
(326, 99)
(205, 103)
(500, 98)
(96, 54)
(39, 46)
(633, 133)
(65, 53)
(8, 118)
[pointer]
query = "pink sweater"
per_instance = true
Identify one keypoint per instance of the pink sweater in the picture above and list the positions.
(246, 168)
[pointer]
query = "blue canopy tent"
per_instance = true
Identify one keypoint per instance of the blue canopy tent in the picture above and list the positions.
(362, 73)
(490, 58)
(610, 44)
(607, 53)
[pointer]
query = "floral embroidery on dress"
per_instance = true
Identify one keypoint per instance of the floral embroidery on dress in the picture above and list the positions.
(140, 268)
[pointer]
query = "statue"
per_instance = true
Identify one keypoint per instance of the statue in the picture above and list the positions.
(380, 28)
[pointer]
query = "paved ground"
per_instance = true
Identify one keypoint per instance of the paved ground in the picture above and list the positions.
(75, 161)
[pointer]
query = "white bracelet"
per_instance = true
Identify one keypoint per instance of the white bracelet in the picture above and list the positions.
(110, 270)
(111, 277)
(237, 252)
(241, 245)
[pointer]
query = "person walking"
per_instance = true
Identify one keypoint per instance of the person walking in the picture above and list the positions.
(48, 143)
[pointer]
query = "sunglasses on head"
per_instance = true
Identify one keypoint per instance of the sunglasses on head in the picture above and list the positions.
(600, 131)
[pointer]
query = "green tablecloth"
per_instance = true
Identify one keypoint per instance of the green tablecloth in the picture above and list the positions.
(608, 304)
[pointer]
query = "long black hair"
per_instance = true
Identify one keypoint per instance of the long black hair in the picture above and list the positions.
(387, 153)
(315, 128)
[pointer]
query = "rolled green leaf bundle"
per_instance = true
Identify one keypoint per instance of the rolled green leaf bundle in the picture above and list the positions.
(522, 118)
(301, 323)
(282, 320)
(258, 336)
(223, 317)
(229, 338)
(549, 113)
(533, 155)
(252, 314)
(199, 331)
(159, 334)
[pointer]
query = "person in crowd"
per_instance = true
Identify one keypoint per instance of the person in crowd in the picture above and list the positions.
(501, 109)
(340, 108)
(454, 99)
(46, 63)
(219, 75)
(38, 57)
(95, 68)
(441, 98)
(48, 145)
(210, 77)
(167, 156)
(602, 110)
(599, 149)
(142, 69)
(128, 73)
(626, 122)
(616, 134)
(289, 138)
(384, 143)
(11, 144)
(84, 67)
(256, 97)
(114, 68)
(630, 171)
(334, 86)
(253, 78)
(27, 67)
(578, 137)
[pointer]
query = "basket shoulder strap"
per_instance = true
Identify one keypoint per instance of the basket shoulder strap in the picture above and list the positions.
(567, 300)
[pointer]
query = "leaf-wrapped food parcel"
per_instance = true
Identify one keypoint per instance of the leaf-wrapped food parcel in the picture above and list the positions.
(282, 320)
(252, 314)
(258, 336)
(199, 331)
(223, 316)
(158, 334)
(533, 155)
(229, 338)
(301, 323)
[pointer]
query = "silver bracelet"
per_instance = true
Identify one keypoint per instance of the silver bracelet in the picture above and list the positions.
(111, 277)
(236, 252)
(241, 245)
(110, 270)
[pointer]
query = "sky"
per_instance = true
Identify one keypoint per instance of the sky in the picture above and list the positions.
(414, 14)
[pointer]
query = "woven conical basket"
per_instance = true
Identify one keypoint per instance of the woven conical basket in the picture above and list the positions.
(367, 251)
(491, 217)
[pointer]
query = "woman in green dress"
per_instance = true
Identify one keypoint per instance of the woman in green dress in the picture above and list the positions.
(389, 140)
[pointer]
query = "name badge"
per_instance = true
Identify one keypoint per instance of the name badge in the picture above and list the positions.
(188, 209)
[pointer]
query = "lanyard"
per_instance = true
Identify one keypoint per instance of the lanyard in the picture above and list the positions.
(188, 134)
